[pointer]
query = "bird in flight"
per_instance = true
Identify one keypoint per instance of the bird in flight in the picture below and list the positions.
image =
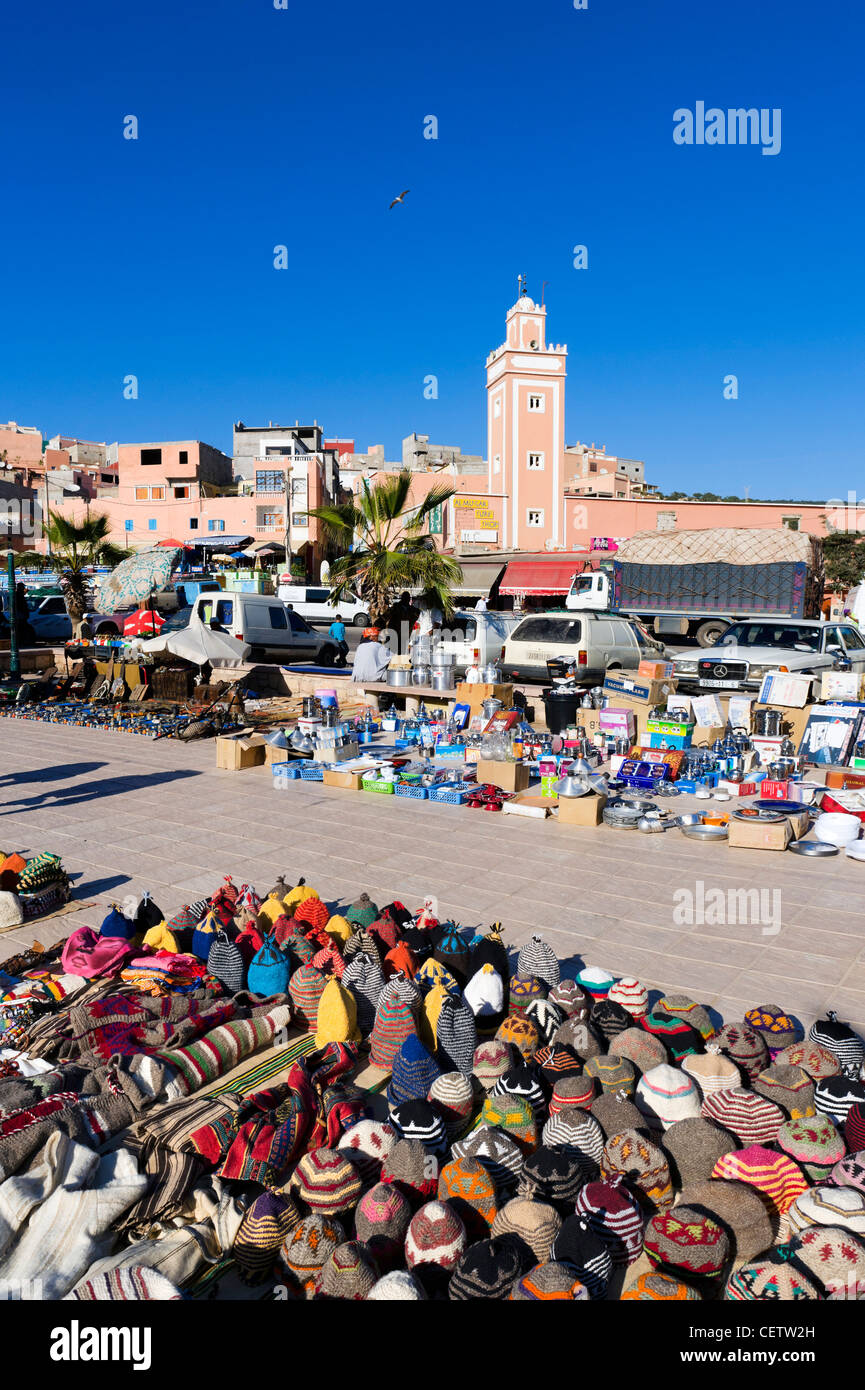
(399, 199)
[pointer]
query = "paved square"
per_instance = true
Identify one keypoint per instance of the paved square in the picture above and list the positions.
(128, 814)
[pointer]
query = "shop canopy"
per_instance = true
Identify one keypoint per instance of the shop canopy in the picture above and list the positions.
(221, 542)
(479, 577)
(538, 577)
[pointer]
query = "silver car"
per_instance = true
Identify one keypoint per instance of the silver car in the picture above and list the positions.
(752, 647)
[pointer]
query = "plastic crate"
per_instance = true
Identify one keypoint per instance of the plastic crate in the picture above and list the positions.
(376, 785)
(453, 794)
(311, 772)
(411, 789)
(285, 772)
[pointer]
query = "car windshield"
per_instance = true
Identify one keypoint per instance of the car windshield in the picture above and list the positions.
(548, 630)
(178, 620)
(771, 635)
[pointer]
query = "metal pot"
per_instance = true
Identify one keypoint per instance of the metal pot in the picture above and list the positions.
(490, 707)
(767, 723)
(442, 678)
(399, 677)
(421, 675)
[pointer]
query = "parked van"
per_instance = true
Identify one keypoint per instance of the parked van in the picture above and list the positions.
(470, 631)
(274, 632)
(595, 642)
(315, 605)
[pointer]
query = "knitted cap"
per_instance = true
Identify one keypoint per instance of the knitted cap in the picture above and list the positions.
(452, 1096)
(614, 1214)
(292, 897)
(368, 1144)
(666, 1094)
(361, 943)
(432, 1008)
(579, 1035)
(548, 1281)
(835, 1096)
(538, 958)
(535, 1223)
(845, 1045)
(835, 1259)
(828, 1206)
(394, 1022)
(747, 1049)
(313, 911)
(774, 1175)
(551, 1175)
(521, 1034)
(854, 1126)
(546, 1017)
(791, 1088)
(772, 1276)
(349, 1272)
(525, 989)
(522, 1081)
(555, 1061)
(687, 1241)
(488, 1269)
(777, 1028)
(850, 1171)
(497, 1152)
(415, 1172)
(116, 923)
(308, 1246)
(363, 912)
(225, 963)
(327, 1181)
(659, 1288)
(339, 928)
(635, 1157)
(739, 1208)
(485, 994)
(582, 1250)
(610, 1018)
(513, 1114)
(678, 1037)
(595, 982)
(640, 1048)
(572, 1092)
(614, 1112)
(693, 1147)
(435, 1236)
(381, 1220)
(817, 1061)
(490, 1062)
(612, 1074)
(399, 1284)
(385, 933)
(413, 1073)
(467, 1185)
(752, 1118)
(417, 1119)
(337, 1015)
(712, 1071)
(452, 950)
(305, 989)
(682, 1007)
(568, 995)
(579, 1135)
(631, 995)
(432, 972)
(456, 1036)
(264, 1227)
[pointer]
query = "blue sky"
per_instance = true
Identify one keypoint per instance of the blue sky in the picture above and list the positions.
(260, 127)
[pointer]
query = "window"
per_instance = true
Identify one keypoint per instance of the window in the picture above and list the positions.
(151, 525)
(216, 525)
(225, 611)
(269, 480)
(300, 519)
(108, 477)
(534, 517)
(537, 403)
(273, 521)
(298, 487)
(157, 494)
(593, 468)
(497, 463)
(620, 494)
(497, 406)
(296, 622)
(852, 639)
(129, 525)
(535, 461)
(193, 523)
(142, 494)
(317, 595)
(151, 457)
(666, 521)
(791, 522)
(277, 617)
(548, 630)
(184, 455)
(181, 494)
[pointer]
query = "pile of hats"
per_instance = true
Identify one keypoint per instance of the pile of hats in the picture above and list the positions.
(31, 887)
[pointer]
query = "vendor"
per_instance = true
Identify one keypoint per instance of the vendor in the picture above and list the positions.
(371, 659)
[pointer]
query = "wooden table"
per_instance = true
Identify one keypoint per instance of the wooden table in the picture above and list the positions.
(411, 694)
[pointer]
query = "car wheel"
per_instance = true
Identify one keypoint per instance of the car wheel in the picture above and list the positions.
(360, 620)
(710, 634)
(330, 656)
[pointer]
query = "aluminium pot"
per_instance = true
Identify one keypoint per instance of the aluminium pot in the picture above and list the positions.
(421, 675)
(442, 678)
(399, 677)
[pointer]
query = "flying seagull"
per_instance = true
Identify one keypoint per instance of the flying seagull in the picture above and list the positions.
(399, 199)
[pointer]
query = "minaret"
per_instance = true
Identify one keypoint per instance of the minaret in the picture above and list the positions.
(526, 428)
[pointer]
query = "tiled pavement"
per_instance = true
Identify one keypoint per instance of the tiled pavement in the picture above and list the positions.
(128, 814)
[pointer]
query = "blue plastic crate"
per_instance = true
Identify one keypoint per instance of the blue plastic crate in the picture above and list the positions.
(452, 794)
(287, 771)
(310, 771)
(411, 789)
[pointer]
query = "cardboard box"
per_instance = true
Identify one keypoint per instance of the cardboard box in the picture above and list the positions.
(786, 689)
(241, 751)
(703, 736)
(668, 740)
(620, 722)
(738, 788)
(272, 754)
(739, 708)
(528, 805)
(679, 705)
(335, 755)
(474, 695)
(656, 670)
(753, 834)
(793, 721)
(350, 781)
(581, 810)
(642, 689)
(842, 685)
(511, 777)
(707, 710)
(775, 791)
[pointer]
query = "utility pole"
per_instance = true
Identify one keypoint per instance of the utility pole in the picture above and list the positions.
(47, 513)
(14, 657)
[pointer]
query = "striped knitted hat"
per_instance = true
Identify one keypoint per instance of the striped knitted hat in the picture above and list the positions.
(488, 1269)
(739, 1208)
(225, 963)
(468, 1187)
(555, 1060)
(497, 1152)
(452, 1096)
(534, 1223)
(368, 1144)
(513, 1114)
(582, 1250)
(329, 961)
(551, 1175)
(538, 958)
(381, 1221)
(773, 1276)
(693, 1147)
(363, 912)
(610, 1018)
(305, 988)
(850, 1171)
(854, 1126)
(659, 1288)
(417, 1119)
(789, 1087)
(775, 1175)
(263, 1229)
(817, 1061)
(778, 1028)
(687, 1242)
(524, 990)
(666, 1094)
(712, 1071)
(612, 1074)
(490, 1062)
(613, 1214)
(385, 933)
(581, 1137)
(640, 1048)
(572, 1092)
(747, 1049)
(548, 1281)
(521, 1080)
(435, 1236)
(828, 1206)
(361, 943)
(398, 1285)
(845, 1045)
(678, 1037)
(349, 1272)
(307, 1247)
(394, 1022)
(615, 1112)
(313, 911)
(570, 997)
(682, 1007)
(546, 1017)
(521, 1034)
(456, 1036)
(752, 1118)
(631, 995)
(415, 1172)
(413, 1073)
(635, 1157)
(595, 982)
(836, 1095)
(327, 1181)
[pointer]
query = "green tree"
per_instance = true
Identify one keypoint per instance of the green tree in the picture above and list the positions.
(844, 559)
(386, 547)
(75, 546)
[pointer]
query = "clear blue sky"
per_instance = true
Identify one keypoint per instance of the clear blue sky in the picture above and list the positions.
(260, 127)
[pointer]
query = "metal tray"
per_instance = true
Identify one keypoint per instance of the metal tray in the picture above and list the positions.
(786, 808)
(817, 849)
(758, 815)
(705, 832)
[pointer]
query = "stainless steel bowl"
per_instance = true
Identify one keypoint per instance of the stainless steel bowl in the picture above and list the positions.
(651, 825)
(705, 832)
(689, 818)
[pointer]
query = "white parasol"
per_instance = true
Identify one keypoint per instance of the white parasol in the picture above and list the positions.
(199, 644)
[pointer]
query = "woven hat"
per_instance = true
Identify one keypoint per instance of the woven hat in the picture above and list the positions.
(836, 1095)
(612, 1074)
(772, 1276)
(456, 1036)
(546, 1017)
(525, 989)
(631, 995)
(398, 1285)
(614, 1214)
(850, 1171)
(747, 1049)
(365, 980)
(417, 1119)
(432, 1007)
(580, 1135)
(435, 1236)
(468, 1187)
(485, 995)
(752, 1118)
(488, 1269)
(659, 1288)
(555, 1060)
(773, 1174)
(640, 1048)
(712, 1071)
(791, 1088)
(595, 982)
(854, 1126)
(338, 928)
(777, 1028)
(579, 1247)
(394, 1022)
(452, 1096)
(548, 1281)
(636, 1158)
(572, 1092)
(497, 1152)
(381, 1221)
(363, 912)
(538, 958)
(815, 1060)
(413, 1073)
(415, 1172)
(490, 1062)
(350, 1272)
(736, 1206)
(835, 1259)
(534, 1223)
(305, 989)
(521, 1080)
(225, 963)
(368, 1144)
(693, 1147)
(452, 950)
(337, 1015)
(361, 943)
(292, 897)
(513, 1114)
(579, 1035)
(678, 1037)
(688, 1242)
(828, 1206)
(490, 950)
(682, 1007)
(521, 1034)
(114, 923)
(615, 1112)
(308, 1247)
(431, 973)
(666, 1094)
(263, 1229)
(837, 1038)
(313, 911)
(568, 995)
(385, 933)
(327, 1181)
(551, 1175)
(610, 1018)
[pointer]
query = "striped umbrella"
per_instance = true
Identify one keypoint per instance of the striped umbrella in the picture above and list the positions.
(142, 623)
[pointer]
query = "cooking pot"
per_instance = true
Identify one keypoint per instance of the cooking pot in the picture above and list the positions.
(421, 675)
(442, 678)
(399, 677)
(490, 707)
(767, 723)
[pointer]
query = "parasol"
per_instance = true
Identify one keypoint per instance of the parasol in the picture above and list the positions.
(199, 644)
(135, 579)
(142, 623)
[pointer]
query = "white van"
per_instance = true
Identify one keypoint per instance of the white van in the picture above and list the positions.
(471, 631)
(595, 642)
(274, 632)
(315, 605)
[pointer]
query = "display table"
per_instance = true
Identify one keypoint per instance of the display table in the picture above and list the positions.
(407, 697)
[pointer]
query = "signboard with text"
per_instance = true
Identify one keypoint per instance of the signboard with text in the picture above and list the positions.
(476, 510)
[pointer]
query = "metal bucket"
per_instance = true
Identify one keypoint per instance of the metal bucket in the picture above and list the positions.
(442, 678)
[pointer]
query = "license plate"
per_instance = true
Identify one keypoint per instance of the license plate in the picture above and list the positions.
(717, 685)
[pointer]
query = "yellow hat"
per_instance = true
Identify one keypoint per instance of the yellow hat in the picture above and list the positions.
(338, 928)
(337, 1015)
(299, 895)
(270, 910)
(432, 1007)
(160, 938)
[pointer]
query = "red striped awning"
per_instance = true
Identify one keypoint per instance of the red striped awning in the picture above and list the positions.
(538, 577)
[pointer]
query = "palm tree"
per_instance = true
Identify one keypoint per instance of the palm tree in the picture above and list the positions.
(75, 546)
(386, 546)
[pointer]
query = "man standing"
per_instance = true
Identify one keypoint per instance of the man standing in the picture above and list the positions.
(337, 632)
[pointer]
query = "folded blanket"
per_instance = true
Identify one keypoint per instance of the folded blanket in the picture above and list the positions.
(174, 1072)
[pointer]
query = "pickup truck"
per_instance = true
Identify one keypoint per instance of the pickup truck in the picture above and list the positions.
(748, 650)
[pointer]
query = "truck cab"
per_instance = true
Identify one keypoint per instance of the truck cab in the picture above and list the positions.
(589, 592)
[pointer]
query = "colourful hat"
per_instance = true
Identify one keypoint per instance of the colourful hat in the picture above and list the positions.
(327, 1181)
(432, 972)
(452, 950)
(305, 989)
(681, 1006)
(485, 995)
(546, 1017)
(456, 1035)
(595, 981)
(337, 1015)
(817, 1061)
(659, 1288)
(835, 1259)
(752, 1118)
(521, 1080)
(349, 1272)
(640, 1048)
(556, 1060)
(828, 1206)
(415, 1172)
(308, 1247)
(678, 1037)
(363, 912)
(338, 927)
(572, 1092)
(666, 1094)
(513, 1115)
(631, 995)
(612, 1074)
(579, 1247)
(521, 1034)
(836, 1095)
(497, 1152)
(432, 1007)
(490, 1062)
(548, 1281)
(580, 1135)
(524, 990)
(263, 1229)
(313, 911)
(368, 1144)
(381, 1221)
(778, 1028)
(417, 1119)
(854, 1126)
(488, 1269)
(712, 1071)
(745, 1047)
(838, 1039)
(365, 980)
(850, 1171)
(452, 1096)
(413, 1073)
(636, 1158)
(791, 1088)
(538, 958)
(394, 1022)
(688, 1242)
(773, 1276)
(614, 1214)
(467, 1185)
(551, 1175)
(435, 1236)
(774, 1175)
(570, 997)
